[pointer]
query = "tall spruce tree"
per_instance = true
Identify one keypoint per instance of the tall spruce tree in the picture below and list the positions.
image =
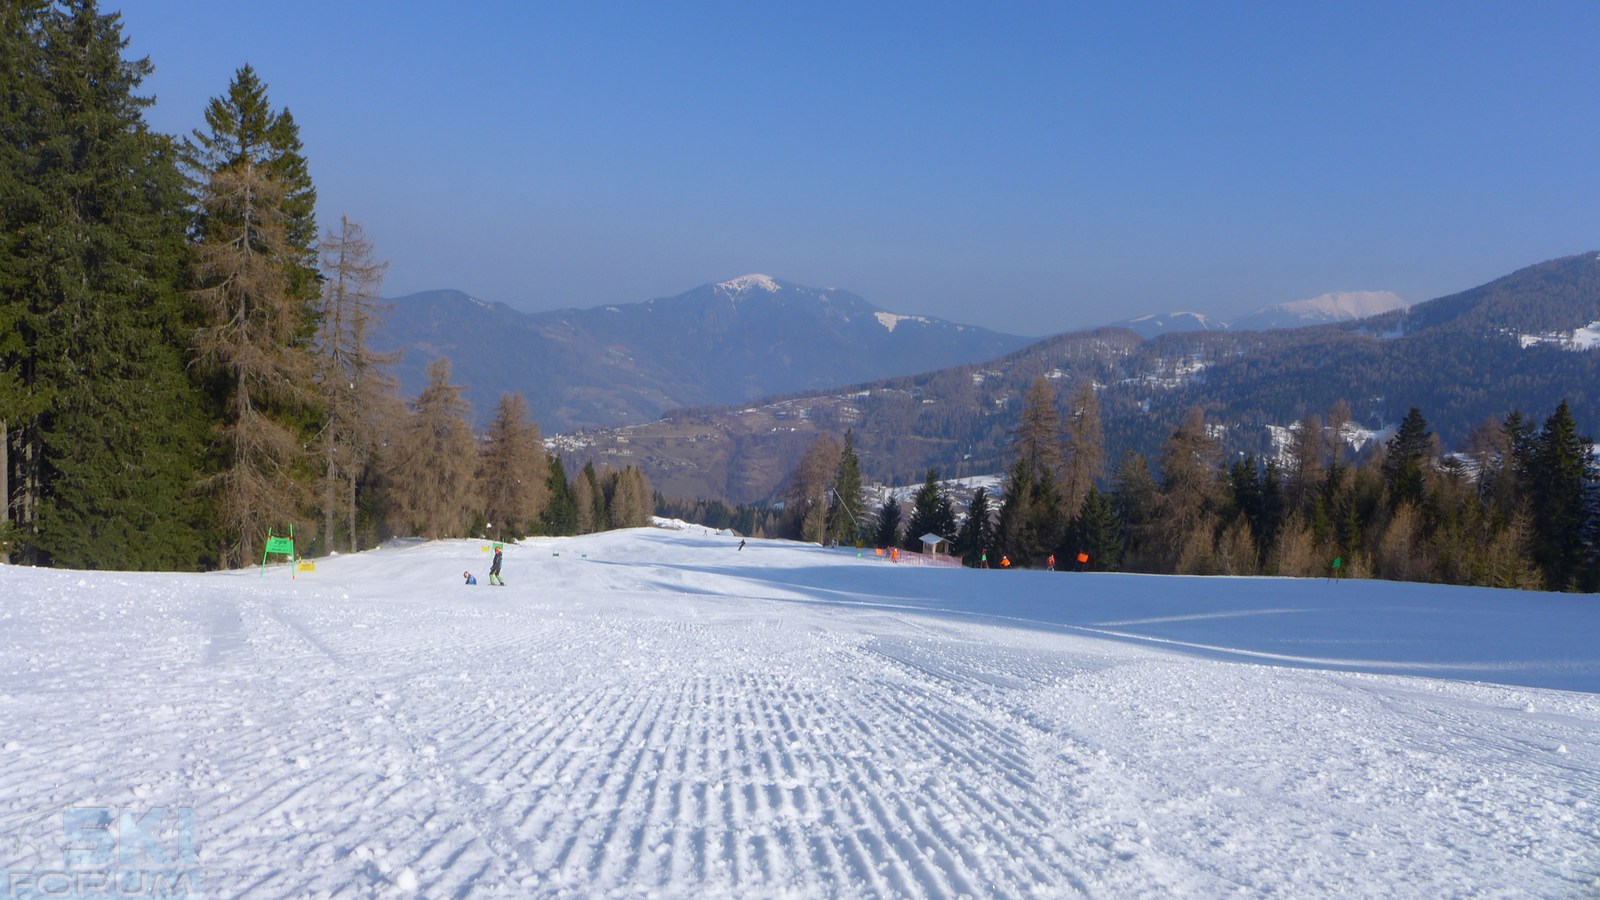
(1016, 532)
(244, 131)
(1096, 532)
(21, 107)
(886, 529)
(1135, 498)
(1406, 464)
(560, 515)
(256, 280)
(846, 522)
(111, 437)
(976, 534)
(591, 500)
(931, 513)
(1562, 489)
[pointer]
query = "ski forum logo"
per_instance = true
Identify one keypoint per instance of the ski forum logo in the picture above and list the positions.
(100, 851)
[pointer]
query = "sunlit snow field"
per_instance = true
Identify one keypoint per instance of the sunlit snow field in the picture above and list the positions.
(657, 713)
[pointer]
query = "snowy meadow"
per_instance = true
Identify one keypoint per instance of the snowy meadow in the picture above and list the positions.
(656, 712)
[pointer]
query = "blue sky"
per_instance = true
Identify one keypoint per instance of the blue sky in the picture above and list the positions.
(1029, 167)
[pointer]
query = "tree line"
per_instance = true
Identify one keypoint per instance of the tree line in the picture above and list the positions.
(184, 356)
(1517, 506)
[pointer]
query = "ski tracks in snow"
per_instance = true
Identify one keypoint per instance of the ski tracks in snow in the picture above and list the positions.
(651, 730)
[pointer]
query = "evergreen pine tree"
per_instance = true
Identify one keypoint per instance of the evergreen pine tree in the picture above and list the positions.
(256, 282)
(1562, 486)
(1406, 463)
(886, 530)
(931, 513)
(1134, 498)
(591, 496)
(245, 132)
(95, 239)
(976, 533)
(1049, 520)
(560, 516)
(1095, 531)
(846, 523)
(22, 397)
(1016, 528)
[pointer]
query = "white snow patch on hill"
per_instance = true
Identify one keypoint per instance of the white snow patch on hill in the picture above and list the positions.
(890, 320)
(657, 711)
(1579, 339)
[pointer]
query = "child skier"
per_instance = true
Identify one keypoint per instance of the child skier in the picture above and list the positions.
(494, 568)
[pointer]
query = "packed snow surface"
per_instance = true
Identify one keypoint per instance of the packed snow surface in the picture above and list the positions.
(658, 713)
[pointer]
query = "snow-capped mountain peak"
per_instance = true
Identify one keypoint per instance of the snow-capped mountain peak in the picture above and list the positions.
(1337, 306)
(746, 283)
(1346, 304)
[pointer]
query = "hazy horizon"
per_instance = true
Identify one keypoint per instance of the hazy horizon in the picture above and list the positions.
(1031, 169)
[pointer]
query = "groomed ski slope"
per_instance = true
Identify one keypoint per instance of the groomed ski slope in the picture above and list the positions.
(656, 713)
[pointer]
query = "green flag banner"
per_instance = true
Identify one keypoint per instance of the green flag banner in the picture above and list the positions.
(276, 544)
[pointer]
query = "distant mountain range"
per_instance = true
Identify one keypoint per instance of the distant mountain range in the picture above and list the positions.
(1342, 306)
(723, 343)
(1523, 342)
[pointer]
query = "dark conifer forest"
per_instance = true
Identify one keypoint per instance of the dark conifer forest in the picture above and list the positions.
(184, 366)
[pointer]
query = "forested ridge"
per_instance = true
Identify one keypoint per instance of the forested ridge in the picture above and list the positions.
(185, 357)
(1516, 506)
(1462, 358)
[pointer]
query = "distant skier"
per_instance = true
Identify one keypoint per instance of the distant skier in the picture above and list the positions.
(468, 576)
(1050, 564)
(741, 543)
(494, 568)
(983, 558)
